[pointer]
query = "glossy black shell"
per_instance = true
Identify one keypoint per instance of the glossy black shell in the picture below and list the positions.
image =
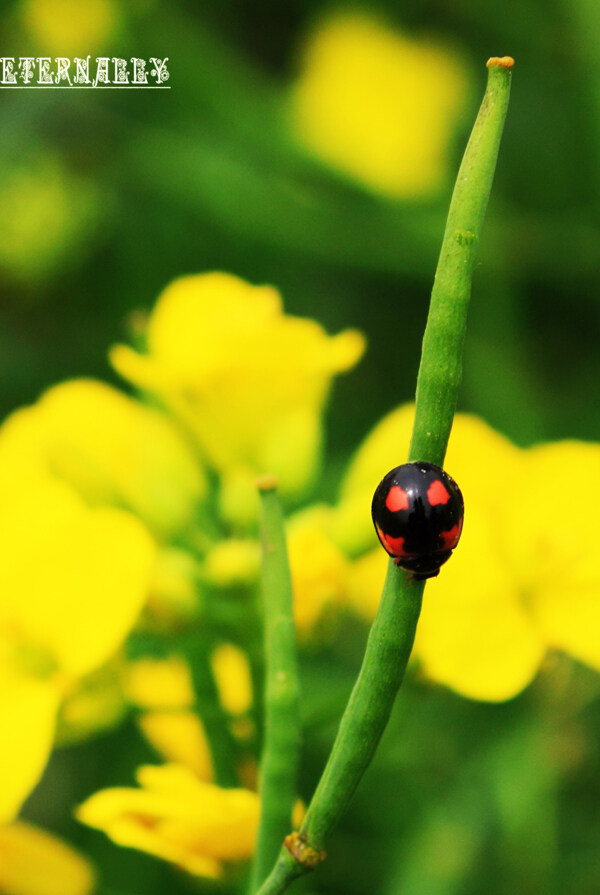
(422, 532)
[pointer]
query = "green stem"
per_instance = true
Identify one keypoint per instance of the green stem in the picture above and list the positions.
(440, 371)
(386, 656)
(222, 745)
(392, 634)
(282, 715)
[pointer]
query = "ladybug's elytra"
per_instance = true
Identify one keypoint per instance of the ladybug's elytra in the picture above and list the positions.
(418, 515)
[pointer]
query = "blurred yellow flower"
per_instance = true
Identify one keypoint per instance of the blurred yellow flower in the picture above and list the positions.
(232, 675)
(233, 563)
(159, 683)
(555, 555)
(48, 215)
(28, 708)
(32, 862)
(179, 737)
(523, 578)
(112, 449)
(164, 689)
(178, 817)
(174, 596)
(319, 568)
(379, 105)
(247, 380)
(72, 582)
(64, 28)
(179, 814)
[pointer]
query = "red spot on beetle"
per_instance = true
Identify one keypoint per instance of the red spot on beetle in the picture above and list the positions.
(396, 499)
(450, 537)
(437, 494)
(394, 546)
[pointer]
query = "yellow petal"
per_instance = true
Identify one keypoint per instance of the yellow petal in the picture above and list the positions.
(28, 709)
(220, 823)
(136, 368)
(72, 579)
(569, 619)
(485, 464)
(173, 597)
(159, 683)
(177, 817)
(32, 862)
(238, 496)
(112, 449)
(232, 674)
(247, 380)
(216, 302)
(233, 563)
(293, 449)
(552, 541)
(384, 448)
(366, 582)
(474, 634)
(133, 818)
(319, 568)
(378, 105)
(179, 737)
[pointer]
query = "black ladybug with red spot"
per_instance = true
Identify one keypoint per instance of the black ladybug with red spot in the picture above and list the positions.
(418, 515)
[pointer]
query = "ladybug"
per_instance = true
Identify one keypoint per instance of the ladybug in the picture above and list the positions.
(418, 515)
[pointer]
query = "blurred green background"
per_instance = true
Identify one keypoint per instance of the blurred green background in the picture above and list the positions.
(106, 197)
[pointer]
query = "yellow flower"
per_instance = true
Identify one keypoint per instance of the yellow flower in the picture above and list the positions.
(233, 563)
(33, 862)
(173, 600)
(28, 708)
(72, 579)
(179, 814)
(523, 578)
(64, 28)
(379, 105)
(164, 689)
(319, 568)
(381, 451)
(476, 634)
(179, 736)
(555, 555)
(247, 380)
(232, 674)
(112, 449)
(159, 683)
(175, 816)
(72, 582)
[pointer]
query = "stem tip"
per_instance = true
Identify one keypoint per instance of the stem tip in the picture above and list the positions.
(266, 482)
(500, 62)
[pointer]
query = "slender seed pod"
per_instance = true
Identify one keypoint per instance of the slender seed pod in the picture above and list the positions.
(282, 714)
